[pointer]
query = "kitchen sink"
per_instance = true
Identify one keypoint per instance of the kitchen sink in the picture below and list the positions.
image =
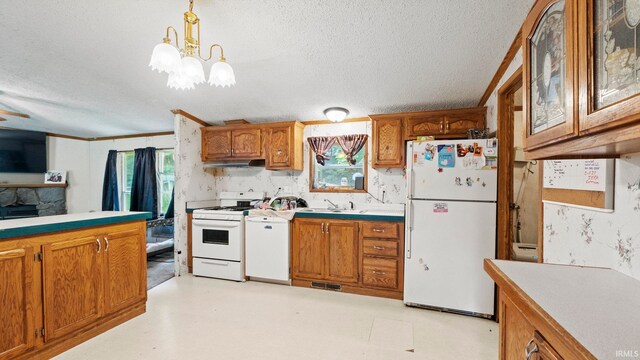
(333, 211)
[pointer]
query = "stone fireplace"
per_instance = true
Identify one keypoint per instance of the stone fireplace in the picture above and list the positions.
(38, 199)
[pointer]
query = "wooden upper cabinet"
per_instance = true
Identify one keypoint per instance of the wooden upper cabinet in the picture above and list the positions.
(342, 251)
(609, 66)
(284, 146)
(457, 124)
(246, 143)
(387, 143)
(444, 124)
(125, 275)
(549, 51)
(72, 277)
(16, 302)
(216, 143)
(424, 125)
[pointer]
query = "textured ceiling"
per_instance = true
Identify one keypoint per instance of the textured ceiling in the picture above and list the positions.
(80, 67)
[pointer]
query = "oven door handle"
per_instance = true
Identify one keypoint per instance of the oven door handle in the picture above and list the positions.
(209, 224)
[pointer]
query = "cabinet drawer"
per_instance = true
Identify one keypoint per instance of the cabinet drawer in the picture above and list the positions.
(378, 272)
(379, 230)
(380, 247)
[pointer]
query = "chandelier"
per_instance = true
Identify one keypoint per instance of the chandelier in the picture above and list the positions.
(184, 68)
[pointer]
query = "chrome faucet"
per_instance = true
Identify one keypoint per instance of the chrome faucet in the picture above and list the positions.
(330, 202)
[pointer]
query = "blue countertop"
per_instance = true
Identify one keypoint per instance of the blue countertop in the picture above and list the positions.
(46, 224)
(366, 216)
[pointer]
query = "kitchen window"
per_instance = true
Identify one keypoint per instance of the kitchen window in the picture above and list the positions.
(165, 177)
(337, 174)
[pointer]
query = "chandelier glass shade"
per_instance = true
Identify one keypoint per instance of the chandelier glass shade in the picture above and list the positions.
(184, 65)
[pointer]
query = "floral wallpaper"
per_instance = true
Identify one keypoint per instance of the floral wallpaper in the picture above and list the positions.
(578, 236)
(193, 183)
(259, 179)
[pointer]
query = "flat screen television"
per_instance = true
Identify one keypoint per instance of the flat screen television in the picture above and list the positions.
(23, 151)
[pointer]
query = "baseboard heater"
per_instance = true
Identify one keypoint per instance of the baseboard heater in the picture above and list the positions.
(326, 286)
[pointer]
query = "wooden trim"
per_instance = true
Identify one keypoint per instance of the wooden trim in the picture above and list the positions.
(67, 137)
(341, 190)
(131, 136)
(535, 314)
(595, 199)
(190, 117)
(326, 122)
(189, 243)
(34, 185)
(11, 113)
(502, 69)
(540, 212)
(236, 122)
(103, 138)
(443, 112)
(505, 163)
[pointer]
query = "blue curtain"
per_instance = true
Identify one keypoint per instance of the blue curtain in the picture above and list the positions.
(110, 184)
(169, 214)
(144, 187)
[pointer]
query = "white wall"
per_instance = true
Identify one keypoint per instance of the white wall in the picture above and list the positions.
(73, 157)
(577, 236)
(98, 151)
(492, 102)
(193, 183)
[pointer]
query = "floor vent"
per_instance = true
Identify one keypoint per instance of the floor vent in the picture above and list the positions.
(326, 286)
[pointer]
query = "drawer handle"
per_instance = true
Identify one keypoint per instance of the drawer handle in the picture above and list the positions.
(379, 247)
(529, 352)
(215, 263)
(378, 230)
(376, 272)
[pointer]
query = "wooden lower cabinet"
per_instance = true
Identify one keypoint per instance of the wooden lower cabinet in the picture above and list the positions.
(308, 249)
(334, 254)
(60, 289)
(526, 331)
(72, 274)
(16, 298)
(342, 251)
(125, 275)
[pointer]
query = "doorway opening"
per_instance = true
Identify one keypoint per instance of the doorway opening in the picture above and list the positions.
(519, 200)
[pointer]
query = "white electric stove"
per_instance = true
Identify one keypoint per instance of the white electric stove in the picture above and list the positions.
(218, 234)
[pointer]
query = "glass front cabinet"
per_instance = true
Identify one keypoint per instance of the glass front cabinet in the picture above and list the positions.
(609, 64)
(581, 65)
(549, 50)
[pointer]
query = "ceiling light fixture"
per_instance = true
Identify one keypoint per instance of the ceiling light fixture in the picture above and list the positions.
(184, 68)
(336, 114)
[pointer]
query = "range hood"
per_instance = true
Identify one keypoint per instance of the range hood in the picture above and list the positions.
(236, 163)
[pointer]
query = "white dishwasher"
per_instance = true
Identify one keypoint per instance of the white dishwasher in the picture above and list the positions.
(267, 248)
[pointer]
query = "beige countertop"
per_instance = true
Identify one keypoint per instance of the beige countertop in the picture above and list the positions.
(599, 307)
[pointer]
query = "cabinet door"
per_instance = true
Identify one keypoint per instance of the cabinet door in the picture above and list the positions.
(609, 69)
(16, 298)
(549, 44)
(388, 143)
(72, 277)
(459, 124)
(540, 349)
(515, 330)
(125, 275)
(279, 147)
(308, 249)
(246, 143)
(423, 125)
(342, 251)
(216, 144)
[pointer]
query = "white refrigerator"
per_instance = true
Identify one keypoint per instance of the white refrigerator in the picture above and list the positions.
(450, 225)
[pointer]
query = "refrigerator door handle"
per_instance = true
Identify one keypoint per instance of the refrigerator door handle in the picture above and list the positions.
(407, 237)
